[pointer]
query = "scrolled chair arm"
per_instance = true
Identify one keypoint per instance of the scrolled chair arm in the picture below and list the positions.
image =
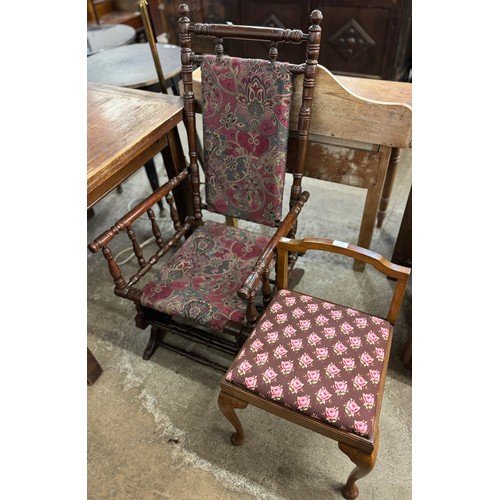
(249, 287)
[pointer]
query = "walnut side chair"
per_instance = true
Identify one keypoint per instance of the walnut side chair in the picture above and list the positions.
(216, 284)
(318, 364)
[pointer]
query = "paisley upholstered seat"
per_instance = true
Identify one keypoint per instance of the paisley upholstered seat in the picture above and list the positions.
(200, 282)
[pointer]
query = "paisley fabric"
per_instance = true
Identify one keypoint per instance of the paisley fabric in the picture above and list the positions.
(318, 358)
(201, 280)
(246, 107)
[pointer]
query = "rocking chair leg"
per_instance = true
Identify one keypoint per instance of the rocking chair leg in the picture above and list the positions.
(364, 465)
(156, 336)
(227, 405)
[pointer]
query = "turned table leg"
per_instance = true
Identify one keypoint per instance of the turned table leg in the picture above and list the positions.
(389, 182)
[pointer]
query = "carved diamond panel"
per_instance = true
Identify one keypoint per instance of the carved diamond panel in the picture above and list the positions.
(273, 22)
(351, 40)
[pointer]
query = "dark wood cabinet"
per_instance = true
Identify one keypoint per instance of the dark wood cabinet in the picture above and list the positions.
(365, 38)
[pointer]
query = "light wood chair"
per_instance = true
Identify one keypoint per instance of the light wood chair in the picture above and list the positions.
(318, 364)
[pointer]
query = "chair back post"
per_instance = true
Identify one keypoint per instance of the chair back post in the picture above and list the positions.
(312, 54)
(397, 299)
(189, 105)
(282, 267)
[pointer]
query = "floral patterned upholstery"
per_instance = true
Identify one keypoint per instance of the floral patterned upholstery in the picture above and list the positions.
(318, 358)
(200, 282)
(246, 107)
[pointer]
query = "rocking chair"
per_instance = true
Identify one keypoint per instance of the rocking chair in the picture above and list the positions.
(213, 288)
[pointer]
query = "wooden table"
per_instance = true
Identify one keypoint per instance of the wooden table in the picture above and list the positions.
(125, 128)
(102, 37)
(133, 66)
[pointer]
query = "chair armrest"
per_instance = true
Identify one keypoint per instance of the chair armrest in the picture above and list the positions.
(400, 273)
(359, 253)
(124, 288)
(253, 279)
(102, 240)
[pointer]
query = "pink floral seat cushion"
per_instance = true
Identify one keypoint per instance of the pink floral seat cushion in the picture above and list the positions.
(317, 358)
(246, 108)
(201, 280)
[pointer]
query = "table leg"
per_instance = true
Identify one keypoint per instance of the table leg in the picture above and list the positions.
(174, 161)
(94, 369)
(153, 178)
(372, 203)
(389, 182)
(402, 254)
(367, 224)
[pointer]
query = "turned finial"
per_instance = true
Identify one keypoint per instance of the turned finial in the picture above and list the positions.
(316, 16)
(183, 9)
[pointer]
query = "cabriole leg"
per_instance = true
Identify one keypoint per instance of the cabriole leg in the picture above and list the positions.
(365, 462)
(227, 405)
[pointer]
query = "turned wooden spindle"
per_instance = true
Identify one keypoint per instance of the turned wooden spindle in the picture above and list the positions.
(312, 54)
(158, 255)
(273, 52)
(114, 268)
(189, 106)
(155, 228)
(174, 215)
(252, 313)
(137, 248)
(219, 48)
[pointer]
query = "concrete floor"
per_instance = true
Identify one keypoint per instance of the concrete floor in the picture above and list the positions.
(154, 427)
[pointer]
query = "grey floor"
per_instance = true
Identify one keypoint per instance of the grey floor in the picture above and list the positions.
(154, 428)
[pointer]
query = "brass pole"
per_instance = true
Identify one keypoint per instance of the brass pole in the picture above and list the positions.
(152, 43)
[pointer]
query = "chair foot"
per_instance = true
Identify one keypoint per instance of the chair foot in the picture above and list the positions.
(365, 462)
(156, 337)
(227, 405)
(350, 492)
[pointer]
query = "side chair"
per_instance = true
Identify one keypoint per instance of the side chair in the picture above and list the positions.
(318, 364)
(211, 280)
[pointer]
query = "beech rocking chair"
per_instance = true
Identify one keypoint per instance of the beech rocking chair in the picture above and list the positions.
(318, 364)
(213, 288)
